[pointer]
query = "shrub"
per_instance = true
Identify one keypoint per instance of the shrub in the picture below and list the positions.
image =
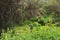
(13, 12)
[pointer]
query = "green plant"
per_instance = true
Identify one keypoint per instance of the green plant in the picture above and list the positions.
(38, 33)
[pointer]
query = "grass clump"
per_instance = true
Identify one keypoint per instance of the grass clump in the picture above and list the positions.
(37, 33)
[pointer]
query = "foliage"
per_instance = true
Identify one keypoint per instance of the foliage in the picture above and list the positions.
(14, 12)
(29, 14)
(38, 33)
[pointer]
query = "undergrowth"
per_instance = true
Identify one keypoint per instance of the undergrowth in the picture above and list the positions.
(37, 33)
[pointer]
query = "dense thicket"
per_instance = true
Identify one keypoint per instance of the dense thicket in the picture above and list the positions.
(7, 12)
(55, 10)
(16, 11)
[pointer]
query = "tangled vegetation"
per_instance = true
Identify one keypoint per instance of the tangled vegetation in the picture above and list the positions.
(37, 33)
(29, 19)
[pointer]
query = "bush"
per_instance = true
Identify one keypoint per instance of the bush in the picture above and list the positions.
(15, 12)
